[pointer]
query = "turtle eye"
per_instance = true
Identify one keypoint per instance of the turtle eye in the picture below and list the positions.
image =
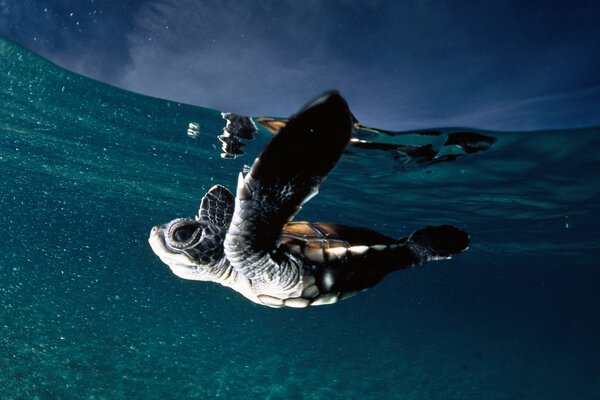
(183, 234)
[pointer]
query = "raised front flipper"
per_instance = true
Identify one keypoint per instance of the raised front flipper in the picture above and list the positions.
(286, 174)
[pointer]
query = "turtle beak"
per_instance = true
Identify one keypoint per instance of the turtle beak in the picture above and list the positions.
(155, 239)
(154, 232)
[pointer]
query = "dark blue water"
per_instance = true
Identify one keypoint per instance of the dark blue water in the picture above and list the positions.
(88, 312)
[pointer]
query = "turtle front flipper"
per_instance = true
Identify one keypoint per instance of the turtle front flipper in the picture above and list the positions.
(286, 174)
(216, 206)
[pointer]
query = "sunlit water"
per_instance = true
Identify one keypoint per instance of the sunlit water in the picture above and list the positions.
(88, 312)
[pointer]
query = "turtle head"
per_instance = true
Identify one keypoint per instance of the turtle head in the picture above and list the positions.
(191, 248)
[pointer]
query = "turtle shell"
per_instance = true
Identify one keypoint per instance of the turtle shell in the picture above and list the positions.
(321, 243)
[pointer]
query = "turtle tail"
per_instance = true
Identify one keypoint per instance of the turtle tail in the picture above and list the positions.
(437, 243)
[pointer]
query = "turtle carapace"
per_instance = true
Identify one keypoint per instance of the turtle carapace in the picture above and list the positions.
(247, 242)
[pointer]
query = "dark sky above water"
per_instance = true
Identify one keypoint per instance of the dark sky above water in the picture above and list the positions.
(489, 64)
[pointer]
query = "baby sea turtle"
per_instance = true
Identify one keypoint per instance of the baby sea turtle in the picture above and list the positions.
(249, 244)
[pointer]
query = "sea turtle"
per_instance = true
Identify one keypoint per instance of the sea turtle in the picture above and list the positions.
(249, 244)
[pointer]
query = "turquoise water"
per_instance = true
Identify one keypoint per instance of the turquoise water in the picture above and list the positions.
(88, 312)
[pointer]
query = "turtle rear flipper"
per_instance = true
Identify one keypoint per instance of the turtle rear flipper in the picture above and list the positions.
(346, 259)
(286, 174)
(360, 267)
(437, 242)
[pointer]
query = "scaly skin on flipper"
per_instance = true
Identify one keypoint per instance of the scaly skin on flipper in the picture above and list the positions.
(279, 182)
(249, 244)
(216, 207)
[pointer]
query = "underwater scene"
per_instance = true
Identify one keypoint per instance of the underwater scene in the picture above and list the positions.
(88, 311)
